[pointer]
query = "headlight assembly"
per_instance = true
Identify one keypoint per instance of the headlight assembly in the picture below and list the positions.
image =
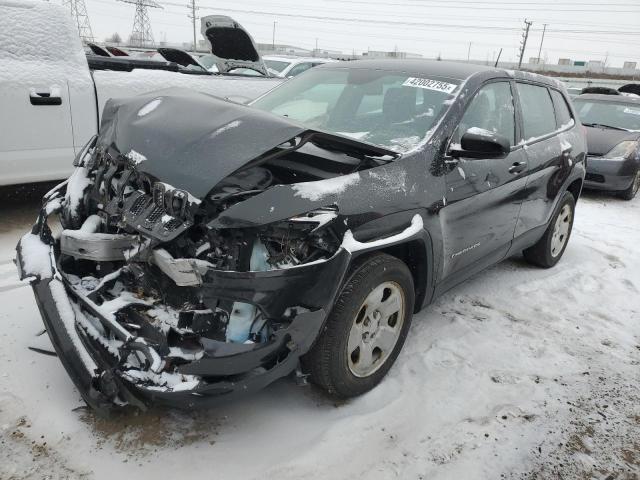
(622, 151)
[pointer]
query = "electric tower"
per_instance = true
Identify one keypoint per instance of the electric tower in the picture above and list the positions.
(141, 35)
(79, 12)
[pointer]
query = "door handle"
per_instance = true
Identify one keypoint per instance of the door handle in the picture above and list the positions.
(45, 98)
(518, 167)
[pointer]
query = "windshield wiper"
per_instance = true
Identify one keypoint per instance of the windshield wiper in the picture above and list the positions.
(602, 125)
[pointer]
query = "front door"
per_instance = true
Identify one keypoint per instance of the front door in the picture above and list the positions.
(483, 196)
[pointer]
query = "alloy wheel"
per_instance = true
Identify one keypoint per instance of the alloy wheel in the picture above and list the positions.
(376, 329)
(561, 231)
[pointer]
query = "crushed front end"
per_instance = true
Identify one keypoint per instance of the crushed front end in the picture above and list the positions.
(146, 303)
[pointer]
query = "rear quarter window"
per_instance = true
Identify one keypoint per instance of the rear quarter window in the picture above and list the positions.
(563, 113)
(538, 114)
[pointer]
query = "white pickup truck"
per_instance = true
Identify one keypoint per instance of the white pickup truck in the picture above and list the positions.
(51, 99)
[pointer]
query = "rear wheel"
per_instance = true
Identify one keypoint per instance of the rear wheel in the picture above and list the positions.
(366, 328)
(631, 192)
(549, 249)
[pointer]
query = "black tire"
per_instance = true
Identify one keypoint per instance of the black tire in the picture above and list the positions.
(541, 253)
(328, 360)
(630, 193)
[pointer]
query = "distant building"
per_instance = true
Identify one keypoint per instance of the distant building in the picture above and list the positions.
(630, 65)
(392, 54)
(324, 53)
(564, 61)
(595, 64)
(282, 49)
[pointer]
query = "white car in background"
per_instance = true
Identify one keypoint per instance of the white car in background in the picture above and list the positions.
(287, 67)
(53, 97)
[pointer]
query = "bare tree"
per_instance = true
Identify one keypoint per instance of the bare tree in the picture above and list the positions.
(115, 38)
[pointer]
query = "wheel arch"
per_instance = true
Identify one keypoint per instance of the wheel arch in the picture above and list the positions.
(414, 255)
(575, 188)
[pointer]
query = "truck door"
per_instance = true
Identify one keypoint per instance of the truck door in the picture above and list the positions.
(36, 135)
(483, 195)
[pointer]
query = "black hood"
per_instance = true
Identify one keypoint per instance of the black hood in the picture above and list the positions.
(601, 140)
(190, 140)
(178, 56)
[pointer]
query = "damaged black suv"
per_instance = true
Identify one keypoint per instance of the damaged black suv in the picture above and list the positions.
(204, 248)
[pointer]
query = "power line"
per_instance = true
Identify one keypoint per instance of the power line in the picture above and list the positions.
(508, 6)
(392, 22)
(493, 18)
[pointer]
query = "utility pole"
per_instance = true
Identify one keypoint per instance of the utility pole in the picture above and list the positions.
(544, 29)
(498, 59)
(315, 53)
(193, 17)
(469, 52)
(273, 42)
(523, 42)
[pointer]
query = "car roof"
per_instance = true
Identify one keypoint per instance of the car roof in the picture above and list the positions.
(454, 70)
(609, 98)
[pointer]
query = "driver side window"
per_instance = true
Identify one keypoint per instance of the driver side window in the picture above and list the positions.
(491, 109)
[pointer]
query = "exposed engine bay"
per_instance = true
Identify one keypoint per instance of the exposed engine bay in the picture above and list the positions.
(163, 292)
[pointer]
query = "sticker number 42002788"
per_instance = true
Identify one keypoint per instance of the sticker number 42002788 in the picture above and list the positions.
(430, 84)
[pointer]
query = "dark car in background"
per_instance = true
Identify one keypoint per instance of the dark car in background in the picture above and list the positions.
(612, 125)
(209, 248)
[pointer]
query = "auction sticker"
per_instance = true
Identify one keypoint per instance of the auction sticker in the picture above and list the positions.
(430, 84)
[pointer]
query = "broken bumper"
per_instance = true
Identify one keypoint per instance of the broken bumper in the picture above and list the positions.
(222, 371)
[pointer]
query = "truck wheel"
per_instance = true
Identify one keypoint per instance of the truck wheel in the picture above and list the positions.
(366, 329)
(549, 249)
(631, 192)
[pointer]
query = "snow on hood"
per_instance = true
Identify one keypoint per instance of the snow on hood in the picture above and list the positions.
(191, 140)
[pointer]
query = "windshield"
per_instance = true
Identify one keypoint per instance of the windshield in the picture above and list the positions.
(390, 109)
(207, 61)
(614, 114)
(276, 66)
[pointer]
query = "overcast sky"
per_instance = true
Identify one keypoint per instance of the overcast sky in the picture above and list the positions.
(576, 29)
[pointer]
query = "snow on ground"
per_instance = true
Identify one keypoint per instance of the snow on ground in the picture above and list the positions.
(518, 373)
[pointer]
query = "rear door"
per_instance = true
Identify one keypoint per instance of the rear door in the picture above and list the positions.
(547, 135)
(483, 196)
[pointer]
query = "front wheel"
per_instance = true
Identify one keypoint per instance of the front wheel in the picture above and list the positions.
(366, 328)
(631, 192)
(549, 249)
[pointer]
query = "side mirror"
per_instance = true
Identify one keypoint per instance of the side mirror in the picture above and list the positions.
(480, 143)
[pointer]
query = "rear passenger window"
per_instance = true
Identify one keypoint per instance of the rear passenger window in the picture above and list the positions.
(563, 114)
(538, 115)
